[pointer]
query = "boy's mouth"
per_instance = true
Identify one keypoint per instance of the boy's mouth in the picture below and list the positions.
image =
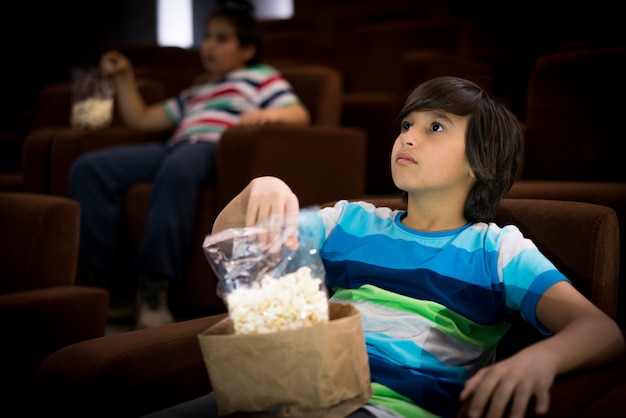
(404, 158)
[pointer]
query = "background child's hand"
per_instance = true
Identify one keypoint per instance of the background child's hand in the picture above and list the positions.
(259, 117)
(114, 62)
(515, 381)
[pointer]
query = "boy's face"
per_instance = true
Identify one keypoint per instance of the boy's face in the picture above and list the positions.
(220, 51)
(429, 154)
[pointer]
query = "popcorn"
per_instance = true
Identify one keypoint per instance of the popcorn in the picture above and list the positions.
(108, 66)
(292, 301)
(92, 113)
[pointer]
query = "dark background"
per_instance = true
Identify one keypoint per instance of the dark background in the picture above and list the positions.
(42, 40)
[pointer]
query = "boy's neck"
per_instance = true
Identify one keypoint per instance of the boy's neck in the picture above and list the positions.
(434, 215)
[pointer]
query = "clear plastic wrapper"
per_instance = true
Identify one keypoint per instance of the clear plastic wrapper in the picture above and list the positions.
(92, 99)
(266, 285)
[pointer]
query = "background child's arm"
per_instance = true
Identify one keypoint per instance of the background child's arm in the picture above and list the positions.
(132, 108)
(294, 114)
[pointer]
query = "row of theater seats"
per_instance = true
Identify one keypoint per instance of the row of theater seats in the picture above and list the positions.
(136, 372)
(572, 153)
(42, 309)
(376, 48)
(43, 305)
(572, 143)
(573, 139)
(321, 162)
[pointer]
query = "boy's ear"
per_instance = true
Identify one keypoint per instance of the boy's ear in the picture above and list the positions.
(471, 171)
(248, 52)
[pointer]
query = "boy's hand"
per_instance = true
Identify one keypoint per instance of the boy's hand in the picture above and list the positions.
(269, 199)
(515, 381)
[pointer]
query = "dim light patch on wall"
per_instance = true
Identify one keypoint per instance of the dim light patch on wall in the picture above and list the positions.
(274, 9)
(175, 23)
(175, 19)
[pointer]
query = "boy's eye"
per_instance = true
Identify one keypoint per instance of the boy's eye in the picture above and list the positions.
(222, 38)
(405, 126)
(437, 127)
(218, 37)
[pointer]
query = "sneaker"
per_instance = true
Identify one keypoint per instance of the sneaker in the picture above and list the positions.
(152, 307)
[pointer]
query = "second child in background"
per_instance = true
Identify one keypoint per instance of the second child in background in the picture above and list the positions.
(239, 90)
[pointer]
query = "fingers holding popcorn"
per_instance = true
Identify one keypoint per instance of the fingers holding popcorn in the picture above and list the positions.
(271, 200)
(113, 62)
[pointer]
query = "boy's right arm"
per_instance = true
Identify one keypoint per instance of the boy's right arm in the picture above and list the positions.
(131, 105)
(263, 197)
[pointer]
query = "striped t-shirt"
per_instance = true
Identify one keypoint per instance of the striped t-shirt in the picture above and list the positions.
(203, 112)
(433, 304)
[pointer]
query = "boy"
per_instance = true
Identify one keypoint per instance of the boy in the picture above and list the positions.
(435, 284)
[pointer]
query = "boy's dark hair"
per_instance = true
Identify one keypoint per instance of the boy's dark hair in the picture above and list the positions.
(493, 139)
(240, 13)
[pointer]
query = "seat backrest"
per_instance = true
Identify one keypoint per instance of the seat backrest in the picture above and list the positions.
(173, 66)
(53, 106)
(320, 88)
(39, 237)
(294, 40)
(423, 64)
(161, 72)
(374, 50)
(581, 239)
(573, 123)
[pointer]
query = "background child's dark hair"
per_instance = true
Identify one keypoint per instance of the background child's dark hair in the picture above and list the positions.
(493, 139)
(240, 13)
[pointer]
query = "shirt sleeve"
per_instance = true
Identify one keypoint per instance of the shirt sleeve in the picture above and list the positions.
(526, 274)
(276, 92)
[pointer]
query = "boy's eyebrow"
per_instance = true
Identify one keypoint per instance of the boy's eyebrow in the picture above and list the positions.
(440, 115)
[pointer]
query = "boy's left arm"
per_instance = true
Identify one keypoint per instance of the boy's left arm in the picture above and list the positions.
(583, 337)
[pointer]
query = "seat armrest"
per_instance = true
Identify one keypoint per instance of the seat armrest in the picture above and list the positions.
(40, 236)
(36, 160)
(605, 193)
(591, 390)
(48, 153)
(36, 323)
(68, 144)
(134, 373)
(124, 375)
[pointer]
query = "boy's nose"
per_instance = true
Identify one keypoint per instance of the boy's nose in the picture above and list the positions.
(406, 140)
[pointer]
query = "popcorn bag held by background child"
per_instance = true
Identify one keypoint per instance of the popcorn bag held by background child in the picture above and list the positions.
(284, 349)
(92, 99)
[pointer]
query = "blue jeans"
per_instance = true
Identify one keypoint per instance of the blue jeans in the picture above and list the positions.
(205, 407)
(98, 181)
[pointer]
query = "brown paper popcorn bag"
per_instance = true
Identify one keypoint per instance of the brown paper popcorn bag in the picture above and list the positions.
(316, 371)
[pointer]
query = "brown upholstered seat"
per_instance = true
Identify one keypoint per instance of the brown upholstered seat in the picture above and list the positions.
(137, 372)
(574, 136)
(322, 161)
(41, 307)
